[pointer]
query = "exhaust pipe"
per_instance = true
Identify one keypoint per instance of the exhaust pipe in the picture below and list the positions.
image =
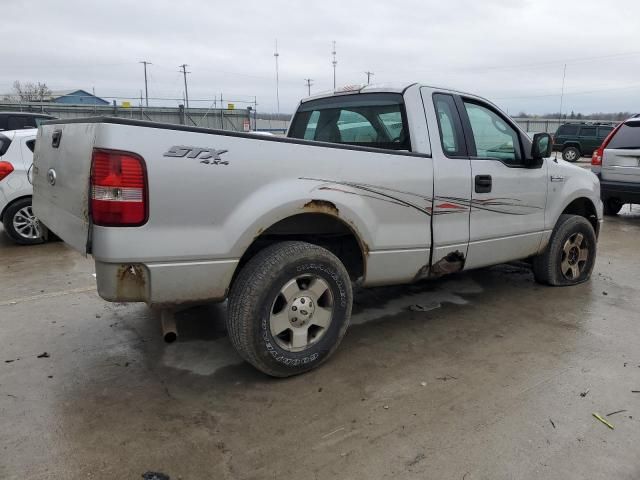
(168, 324)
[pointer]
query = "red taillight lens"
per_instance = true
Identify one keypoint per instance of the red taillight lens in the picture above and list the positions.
(118, 189)
(596, 158)
(5, 169)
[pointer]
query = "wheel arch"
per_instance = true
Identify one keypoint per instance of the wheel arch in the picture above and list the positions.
(11, 202)
(318, 223)
(584, 207)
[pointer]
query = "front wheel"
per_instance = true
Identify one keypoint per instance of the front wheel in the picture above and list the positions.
(21, 224)
(289, 308)
(570, 255)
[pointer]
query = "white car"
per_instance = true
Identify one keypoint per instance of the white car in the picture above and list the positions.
(16, 158)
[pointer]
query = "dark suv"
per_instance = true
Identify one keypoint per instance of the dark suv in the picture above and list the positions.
(20, 120)
(576, 140)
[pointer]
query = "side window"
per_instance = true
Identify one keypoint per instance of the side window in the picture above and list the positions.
(588, 132)
(450, 126)
(310, 131)
(493, 137)
(31, 144)
(603, 132)
(16, 123)
(568, 130)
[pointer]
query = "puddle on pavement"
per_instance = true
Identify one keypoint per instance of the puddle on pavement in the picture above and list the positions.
(205, 356)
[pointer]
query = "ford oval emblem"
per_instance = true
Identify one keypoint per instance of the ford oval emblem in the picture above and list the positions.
(51, 175)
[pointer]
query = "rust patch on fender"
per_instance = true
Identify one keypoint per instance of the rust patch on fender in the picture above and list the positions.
(131, 283)
(453, 262)
(322, 206)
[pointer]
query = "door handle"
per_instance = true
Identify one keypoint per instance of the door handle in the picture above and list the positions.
(55, 138)
(483, 183)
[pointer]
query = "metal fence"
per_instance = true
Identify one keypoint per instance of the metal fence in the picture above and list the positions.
(224, 119)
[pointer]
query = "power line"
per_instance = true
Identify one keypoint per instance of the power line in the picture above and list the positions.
(309, 83)
(186, 92)
(369, 75)
(146, 88)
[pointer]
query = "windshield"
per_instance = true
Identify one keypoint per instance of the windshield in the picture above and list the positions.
(368, 120)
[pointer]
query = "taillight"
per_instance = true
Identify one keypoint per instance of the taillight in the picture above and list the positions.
(5, 169)
(118, 189)
(596, 158)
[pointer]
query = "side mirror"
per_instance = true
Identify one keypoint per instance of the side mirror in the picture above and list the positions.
(541, 146)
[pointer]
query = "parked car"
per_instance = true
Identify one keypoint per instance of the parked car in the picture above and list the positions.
(429, 181)
(617, 163)
(20, 120)
(16, 212)
(577, 140)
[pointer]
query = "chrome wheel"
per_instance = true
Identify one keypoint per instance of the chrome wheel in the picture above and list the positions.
(26, 224)
(575, 253)
(301, 313)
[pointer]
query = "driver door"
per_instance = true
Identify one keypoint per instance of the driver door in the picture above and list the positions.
(508, 198)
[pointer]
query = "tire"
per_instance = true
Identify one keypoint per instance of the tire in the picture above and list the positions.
(612, 206)
(20, 223)
(570, 255)
(289, 287)
(571, 154)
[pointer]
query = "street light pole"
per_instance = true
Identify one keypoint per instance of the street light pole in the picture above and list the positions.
(276, 55)
(334, 62)
(309, 83)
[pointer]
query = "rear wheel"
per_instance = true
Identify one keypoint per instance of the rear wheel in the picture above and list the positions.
(571, 154)
(289, 308)
(21, 224)
(612, 206)
(570, 255)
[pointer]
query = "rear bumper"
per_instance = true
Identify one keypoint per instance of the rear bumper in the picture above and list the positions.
(165, 283)
(628, 192)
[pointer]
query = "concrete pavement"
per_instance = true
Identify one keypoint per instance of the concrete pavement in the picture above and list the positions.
(484, 383)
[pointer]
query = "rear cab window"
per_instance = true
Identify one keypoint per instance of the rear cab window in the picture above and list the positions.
(376, 120)
(627, 136)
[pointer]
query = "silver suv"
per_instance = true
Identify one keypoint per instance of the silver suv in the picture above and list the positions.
(617, 164)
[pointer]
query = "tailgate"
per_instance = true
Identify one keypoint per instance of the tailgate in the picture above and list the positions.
(62, 167)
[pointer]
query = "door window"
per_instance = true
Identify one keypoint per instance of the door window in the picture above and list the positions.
(450, 126)
(493, 137)
(603, 132)
(588, 132)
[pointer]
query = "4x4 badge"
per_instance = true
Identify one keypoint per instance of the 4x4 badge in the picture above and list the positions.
(208, 156)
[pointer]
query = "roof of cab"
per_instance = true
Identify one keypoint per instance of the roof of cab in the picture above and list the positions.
(391, 87)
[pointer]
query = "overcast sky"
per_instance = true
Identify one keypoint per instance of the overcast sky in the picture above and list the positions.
(511, 51)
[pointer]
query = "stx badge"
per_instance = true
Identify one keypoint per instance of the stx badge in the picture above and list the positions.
(209, 156)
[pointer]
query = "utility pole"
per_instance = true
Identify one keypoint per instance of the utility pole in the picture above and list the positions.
(146, 89)
(276, 55)
(309, 83)
(369, 75)
(334, 62)
(186, 92)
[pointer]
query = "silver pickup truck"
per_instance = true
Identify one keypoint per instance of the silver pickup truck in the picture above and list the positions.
(373, 185)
